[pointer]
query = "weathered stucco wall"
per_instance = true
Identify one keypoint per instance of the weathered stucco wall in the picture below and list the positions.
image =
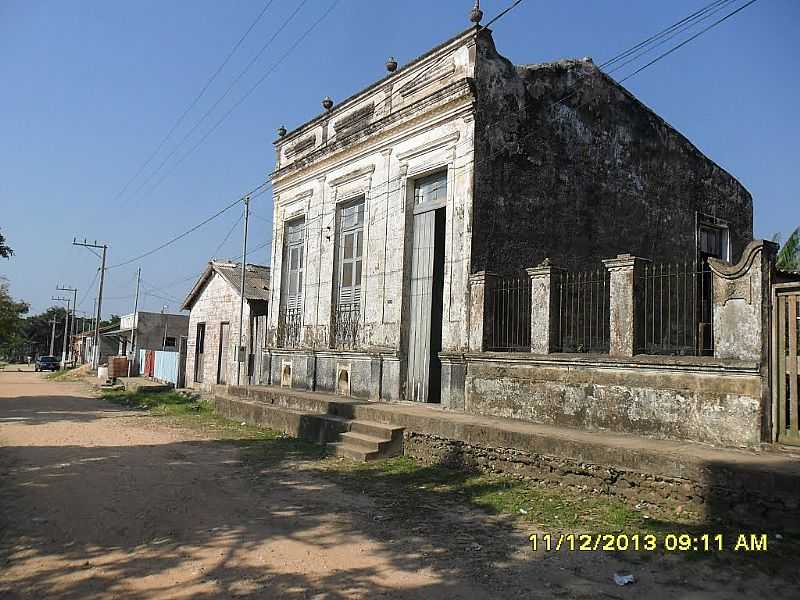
(217, 303)
(595, 175)
(375, 145)
(703, 400)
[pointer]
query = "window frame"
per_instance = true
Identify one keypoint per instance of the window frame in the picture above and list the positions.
(289, 300)
(357, 258)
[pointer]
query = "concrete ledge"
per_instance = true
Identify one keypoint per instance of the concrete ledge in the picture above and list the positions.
(758, 487)
(144, 385)
(317, 428)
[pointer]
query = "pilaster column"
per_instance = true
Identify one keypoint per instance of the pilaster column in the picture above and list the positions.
(625, 310)
(480, 309)
(544, 306)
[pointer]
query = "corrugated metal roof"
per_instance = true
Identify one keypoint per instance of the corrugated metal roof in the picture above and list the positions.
(256, 281)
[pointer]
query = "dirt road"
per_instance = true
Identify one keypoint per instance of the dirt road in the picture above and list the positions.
(100, 502)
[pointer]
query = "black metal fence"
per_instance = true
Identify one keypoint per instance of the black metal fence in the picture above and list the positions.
(677, 313)
(290, 324)
(509, 328)
(583, 303)
(345, 326)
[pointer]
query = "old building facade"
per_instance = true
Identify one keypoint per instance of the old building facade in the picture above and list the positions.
(214, 303)
(388, 206)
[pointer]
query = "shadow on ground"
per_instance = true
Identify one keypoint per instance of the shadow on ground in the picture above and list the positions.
(192, 519)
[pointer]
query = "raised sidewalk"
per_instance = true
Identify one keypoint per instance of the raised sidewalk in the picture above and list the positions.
(756, 486)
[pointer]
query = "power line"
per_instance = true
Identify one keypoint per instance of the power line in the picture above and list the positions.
(216, 103)
(227, 236)
(689, 19)
(502, 13)
(686, 41)
(88, 288)
(187, 232)
(194, 102)
(246, 95)
(488, 157)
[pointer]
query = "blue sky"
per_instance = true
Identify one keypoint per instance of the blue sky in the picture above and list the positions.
(89, 89)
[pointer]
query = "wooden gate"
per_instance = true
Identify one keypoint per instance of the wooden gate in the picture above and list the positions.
(786, 362)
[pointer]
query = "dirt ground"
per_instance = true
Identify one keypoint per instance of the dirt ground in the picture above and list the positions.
(100, 502)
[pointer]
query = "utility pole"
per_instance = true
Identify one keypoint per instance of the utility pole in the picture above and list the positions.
(239, 349)
(66, 322)
(135, 324)
(164, 339)
(85, 244)
(74, 307)
(52, 335)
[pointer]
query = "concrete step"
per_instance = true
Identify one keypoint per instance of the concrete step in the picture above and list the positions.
(345, 450)
(314, 402)
(365, 442)
(318, 428)
(378, 430)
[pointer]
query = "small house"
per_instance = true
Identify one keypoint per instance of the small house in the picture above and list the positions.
(214, 312)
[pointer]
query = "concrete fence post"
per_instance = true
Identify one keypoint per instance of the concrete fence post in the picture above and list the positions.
(545, 307)
(626, 316)
(481, 307)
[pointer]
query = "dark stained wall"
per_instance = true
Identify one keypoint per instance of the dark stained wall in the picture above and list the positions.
(588, 178)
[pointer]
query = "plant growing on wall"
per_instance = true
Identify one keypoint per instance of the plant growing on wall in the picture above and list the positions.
(789, 254)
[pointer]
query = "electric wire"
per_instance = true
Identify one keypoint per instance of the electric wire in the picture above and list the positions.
(472, 163)
(194, 102)
(208, 112)
(686, 41)
(188, 231)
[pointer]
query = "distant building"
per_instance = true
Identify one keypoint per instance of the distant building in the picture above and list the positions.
(83, 345)
(150, 331)
(214, 304)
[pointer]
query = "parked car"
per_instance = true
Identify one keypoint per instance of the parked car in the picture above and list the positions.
(46, 363)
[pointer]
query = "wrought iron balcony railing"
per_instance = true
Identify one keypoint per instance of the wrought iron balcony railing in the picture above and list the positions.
(290, 324)
(345, 326)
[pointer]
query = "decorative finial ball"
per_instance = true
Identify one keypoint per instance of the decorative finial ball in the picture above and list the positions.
(391, 65)
(327, 103)
(476, 14)
(281, 131)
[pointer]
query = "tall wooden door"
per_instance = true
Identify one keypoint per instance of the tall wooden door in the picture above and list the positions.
(222, 361)
(786, 362)
(427, 283)
(199, 352)
(182, 349)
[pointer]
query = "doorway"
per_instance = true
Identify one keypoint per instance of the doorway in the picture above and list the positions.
(222, 355)
(427, 287)
(199, 350)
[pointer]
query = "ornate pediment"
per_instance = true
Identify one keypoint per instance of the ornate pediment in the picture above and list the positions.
(432, 75)
(356, 120)
(301, 146)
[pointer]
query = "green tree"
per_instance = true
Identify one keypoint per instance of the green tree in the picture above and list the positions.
(789, 254)
(112, 320)
(37, 329)
(12, 336)
(5, 251)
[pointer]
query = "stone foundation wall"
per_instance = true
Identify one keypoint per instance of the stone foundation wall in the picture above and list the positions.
(719, 494)
(683, 398)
